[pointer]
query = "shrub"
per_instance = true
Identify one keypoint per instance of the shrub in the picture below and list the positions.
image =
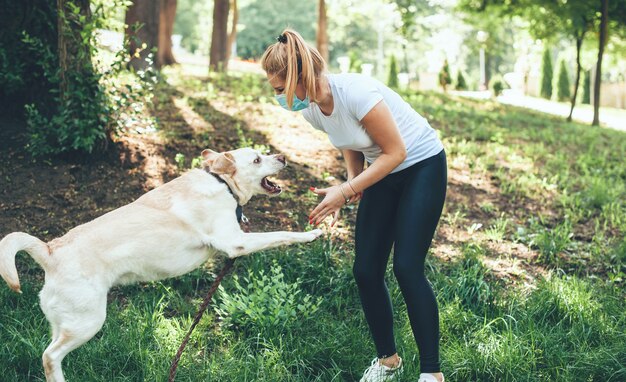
(392, 80)
(545, 83)
(265, 302)
(444, 76)
(562, 85)
(461, 84)
(496, 84)
(84, 105)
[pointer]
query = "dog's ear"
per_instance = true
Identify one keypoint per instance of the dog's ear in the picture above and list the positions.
(222, 164)
(208, 153)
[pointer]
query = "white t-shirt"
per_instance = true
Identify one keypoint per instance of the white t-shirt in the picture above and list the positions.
(354, 95)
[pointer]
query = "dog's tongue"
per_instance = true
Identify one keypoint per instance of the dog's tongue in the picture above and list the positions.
(270, 186)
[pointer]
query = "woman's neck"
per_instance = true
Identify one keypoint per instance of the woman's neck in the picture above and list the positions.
(325, 96)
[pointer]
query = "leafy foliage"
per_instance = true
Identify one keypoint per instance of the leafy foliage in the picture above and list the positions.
(563, 91)
(545, 82)
(445, 78)
(461, 84)
(265, 302)
(259, 32)
(496, 84)
(78, 108)
(392, 79)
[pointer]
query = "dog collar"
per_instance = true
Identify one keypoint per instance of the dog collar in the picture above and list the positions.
(239, 209)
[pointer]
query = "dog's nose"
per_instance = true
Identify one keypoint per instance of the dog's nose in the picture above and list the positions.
(281, 158)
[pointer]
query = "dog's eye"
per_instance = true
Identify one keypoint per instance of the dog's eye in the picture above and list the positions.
(257, 160)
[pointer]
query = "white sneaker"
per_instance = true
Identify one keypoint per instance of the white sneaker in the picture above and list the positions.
(425, 377)
(378, 372)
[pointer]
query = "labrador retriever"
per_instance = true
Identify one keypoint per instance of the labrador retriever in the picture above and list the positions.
(167, 232)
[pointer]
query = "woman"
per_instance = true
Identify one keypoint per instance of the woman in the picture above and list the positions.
(402, 190)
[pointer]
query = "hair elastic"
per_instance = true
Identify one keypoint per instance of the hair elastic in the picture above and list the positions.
(282, 38)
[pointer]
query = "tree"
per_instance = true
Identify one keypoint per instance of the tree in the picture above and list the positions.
(74, 55)
(587, 87)
(410, 28)
(562, 85)
(461, 84)
(219, 37)
(322, 35)
(602, 43)
(392, 80)
(547, 18)
(232, 36)
(444, 76)
(263, 21)
(166, 28)
(143, 20)
(545, 82)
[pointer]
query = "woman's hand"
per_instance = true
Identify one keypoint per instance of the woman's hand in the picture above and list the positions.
(330, 205)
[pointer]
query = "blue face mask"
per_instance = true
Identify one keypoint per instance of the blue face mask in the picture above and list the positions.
(297, 105)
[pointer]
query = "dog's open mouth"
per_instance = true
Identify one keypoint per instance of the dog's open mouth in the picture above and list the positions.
(270, 187)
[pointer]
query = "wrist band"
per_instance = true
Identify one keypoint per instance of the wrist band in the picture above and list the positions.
(350, 184)
(344, 195)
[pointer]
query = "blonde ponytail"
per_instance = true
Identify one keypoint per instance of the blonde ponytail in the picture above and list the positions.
(291, 58)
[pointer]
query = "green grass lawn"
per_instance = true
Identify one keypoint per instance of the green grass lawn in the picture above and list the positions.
(544, 197)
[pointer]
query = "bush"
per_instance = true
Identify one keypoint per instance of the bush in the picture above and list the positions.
(563, 92)
(265, 302)
(461, 84)
(496, 84)
(392, 79)
(545, 83)
(445, 78)
(72, 109)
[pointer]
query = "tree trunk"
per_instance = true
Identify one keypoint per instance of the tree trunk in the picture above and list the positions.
(74, 55)
(322, 35)
(598, 80)
(145, 15)
(579, 43)
(219, 38)
(232, 37)
(166, 28)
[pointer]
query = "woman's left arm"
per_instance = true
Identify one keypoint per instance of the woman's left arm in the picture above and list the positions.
(381, 127)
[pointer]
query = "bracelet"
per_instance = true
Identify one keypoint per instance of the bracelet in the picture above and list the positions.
(344, 195)
(350, 184)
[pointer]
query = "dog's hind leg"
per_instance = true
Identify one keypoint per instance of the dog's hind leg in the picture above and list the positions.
(71, 328)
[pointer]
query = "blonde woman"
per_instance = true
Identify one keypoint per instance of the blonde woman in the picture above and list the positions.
(401, 192)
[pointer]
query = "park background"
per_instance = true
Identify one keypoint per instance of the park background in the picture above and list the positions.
(101, 101)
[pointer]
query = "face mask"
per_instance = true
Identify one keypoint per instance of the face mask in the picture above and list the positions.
(297, 105)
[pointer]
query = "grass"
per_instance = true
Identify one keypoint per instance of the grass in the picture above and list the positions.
(556, 188)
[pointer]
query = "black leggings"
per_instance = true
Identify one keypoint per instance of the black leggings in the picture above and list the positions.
(403, 210)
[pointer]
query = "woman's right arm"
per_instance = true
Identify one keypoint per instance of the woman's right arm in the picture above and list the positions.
(354, 164)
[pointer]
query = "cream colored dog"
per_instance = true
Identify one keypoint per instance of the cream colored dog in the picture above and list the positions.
(167, 232)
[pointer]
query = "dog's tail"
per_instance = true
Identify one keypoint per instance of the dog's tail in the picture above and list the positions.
(20, 241)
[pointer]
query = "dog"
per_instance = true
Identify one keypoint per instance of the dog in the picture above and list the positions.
(169, 231)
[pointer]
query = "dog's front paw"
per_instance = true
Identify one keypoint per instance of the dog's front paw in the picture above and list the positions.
(315, 234)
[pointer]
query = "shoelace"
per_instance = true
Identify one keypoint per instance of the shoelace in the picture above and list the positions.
(372, 367)
(377, 370)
